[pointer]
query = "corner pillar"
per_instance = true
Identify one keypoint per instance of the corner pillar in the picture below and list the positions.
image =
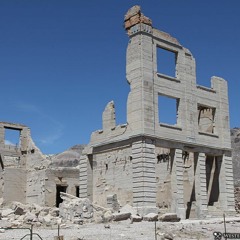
(227, 185)
(144, 176)
(85, 178)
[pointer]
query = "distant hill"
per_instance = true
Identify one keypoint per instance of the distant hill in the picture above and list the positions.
(235, 139)
(68, 158)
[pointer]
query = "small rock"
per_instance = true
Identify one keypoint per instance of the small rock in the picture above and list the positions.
(29, 217)
(168, 236)
(107, 226)
(78, 221)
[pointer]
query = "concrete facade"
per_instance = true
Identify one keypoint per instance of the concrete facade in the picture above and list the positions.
(156, 166)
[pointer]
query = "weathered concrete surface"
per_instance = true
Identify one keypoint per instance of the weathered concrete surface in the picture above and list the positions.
(235, 140)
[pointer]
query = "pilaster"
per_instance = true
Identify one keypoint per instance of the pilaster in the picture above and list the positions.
(200, 184)
(144, 179)
(226, 184)
(83, 176)
(177, 184)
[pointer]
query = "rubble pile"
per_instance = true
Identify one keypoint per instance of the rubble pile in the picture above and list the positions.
(19, 214)
(74, 210)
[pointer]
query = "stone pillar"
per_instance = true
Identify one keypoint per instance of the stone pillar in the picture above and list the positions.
(200, 184)
(177, 183)
(2, 136)
(144, 176)
(83, 178)
(226, 185)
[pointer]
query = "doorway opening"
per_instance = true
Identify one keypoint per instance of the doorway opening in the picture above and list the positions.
(77, 191)
(59, 189)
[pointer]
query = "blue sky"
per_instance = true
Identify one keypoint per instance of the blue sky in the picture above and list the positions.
(62, 61)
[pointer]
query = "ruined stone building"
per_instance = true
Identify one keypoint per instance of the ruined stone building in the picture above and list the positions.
(23, 167)
(28, 176)
(183, 167)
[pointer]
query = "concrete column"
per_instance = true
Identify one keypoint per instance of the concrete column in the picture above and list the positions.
(83, 178)
(177, 183)
(200, 184)
(144, 176)
(226, 185)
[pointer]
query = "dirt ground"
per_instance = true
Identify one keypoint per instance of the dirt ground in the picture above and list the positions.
(186, 229)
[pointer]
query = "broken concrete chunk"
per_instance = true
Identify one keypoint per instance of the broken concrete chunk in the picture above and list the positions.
(128, 208)
(121, 216)
(169, 217)
(19, 211)
(135, 218)
(151, 217)
(107, 216)
(7, 212)
(29, 217)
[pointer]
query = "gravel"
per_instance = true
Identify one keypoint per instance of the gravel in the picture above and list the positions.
(187, 229)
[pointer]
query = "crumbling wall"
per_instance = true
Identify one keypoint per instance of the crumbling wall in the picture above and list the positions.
(63, 177)
(15, 180)
(109, 128)
(112, 174)
(35, 192)
(23, 167)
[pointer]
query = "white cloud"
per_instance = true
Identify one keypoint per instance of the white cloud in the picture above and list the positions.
(54, 127)
(7, 142)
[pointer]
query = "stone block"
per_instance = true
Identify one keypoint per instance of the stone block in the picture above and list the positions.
(169, 217)
(150, 217)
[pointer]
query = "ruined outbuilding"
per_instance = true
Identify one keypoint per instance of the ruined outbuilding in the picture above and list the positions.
(183, 167)
(22, 167)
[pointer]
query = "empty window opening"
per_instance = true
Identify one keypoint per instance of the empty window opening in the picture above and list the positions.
(168, 110)
(206, 118)
(12, 137)
(77, 191)
(163, 157)
(59, 189)
(166, 62)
